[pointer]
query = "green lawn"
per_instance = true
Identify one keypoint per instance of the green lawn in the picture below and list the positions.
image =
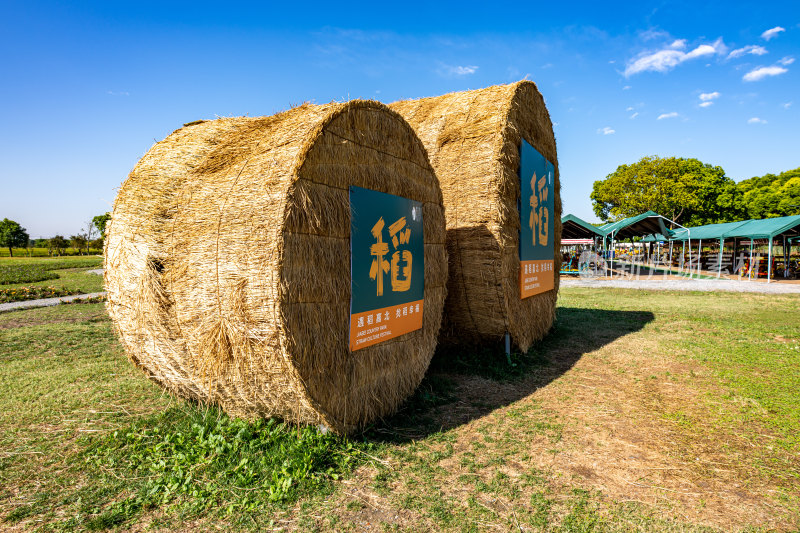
(650, 411)
(55, 263)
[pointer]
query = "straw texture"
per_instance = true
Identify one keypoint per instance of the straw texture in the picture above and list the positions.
(473, 140)
(228, 263)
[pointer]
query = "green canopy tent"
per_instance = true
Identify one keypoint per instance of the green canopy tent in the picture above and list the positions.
(767, 228)
(708, 232)
(645, 225)
(656, 237)
(573, 227)
(575, 231)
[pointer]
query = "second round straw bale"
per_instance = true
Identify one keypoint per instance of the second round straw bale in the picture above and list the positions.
(473, 140)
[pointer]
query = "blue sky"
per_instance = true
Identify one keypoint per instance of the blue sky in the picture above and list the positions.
(89, 87)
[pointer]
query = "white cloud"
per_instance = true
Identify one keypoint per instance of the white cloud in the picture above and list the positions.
(709, 96)
(651, 34)
(786, 61)
(626, 87)
(629, 108)
(635, 115)
(752, 49)
(667, 115)
(706, 104)
(787, 105)
(606, 131)
(769, 34)
(456, 70)
(118, 93)
(756, 120)
(668, 58)
(700, 51)
(763, 72)
(462, 71)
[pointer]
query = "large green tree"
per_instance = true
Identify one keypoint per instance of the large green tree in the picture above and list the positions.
(771, 196)
(78, 242)
(12, 235)
(100, 222)
(59, 244)
(686, 191)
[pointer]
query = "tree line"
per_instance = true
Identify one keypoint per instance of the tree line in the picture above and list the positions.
(693, 193)
(91, 235)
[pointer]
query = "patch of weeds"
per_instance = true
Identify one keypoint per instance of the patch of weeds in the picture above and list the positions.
(681, 419)
(199, 462)
(20, 513)
(381, 481)
(539, 514)
(40, 504)
(355, 505)
(438, 509)
(480, 511)
(501, 484)
(438, 455)
(467, 461)
(583, 514)
(534, 478)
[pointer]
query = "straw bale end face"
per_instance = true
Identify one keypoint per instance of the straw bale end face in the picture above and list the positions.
(228, 263)
(474, 140)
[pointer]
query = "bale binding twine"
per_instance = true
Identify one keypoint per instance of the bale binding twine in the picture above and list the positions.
(228, 263)
(473, 140)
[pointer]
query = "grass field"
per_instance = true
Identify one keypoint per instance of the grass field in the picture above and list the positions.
(652, 411)
(41, 276)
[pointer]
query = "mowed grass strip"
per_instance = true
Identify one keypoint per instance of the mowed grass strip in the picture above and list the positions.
(642, 410)
(10, 274)
(55, 263)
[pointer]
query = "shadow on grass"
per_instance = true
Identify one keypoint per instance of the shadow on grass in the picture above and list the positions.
(463, 384)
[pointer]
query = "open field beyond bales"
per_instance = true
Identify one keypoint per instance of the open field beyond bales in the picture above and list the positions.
(26, 278)
(656, 411)
(45, 253)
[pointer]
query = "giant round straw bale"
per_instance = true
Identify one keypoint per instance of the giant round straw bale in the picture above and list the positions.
(473, 140)
(228, 263)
